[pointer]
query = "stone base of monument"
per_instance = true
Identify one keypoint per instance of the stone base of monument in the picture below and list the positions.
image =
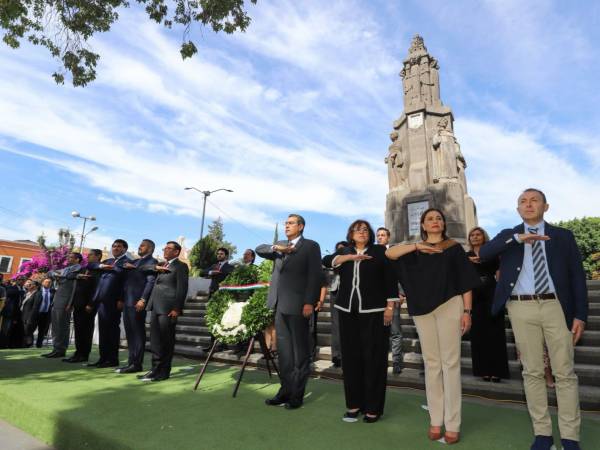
(403, 212)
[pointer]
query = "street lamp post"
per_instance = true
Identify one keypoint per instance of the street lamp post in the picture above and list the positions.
(205, 194)
(85, 219)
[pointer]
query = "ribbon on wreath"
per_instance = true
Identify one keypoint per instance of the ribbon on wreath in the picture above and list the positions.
(243, 287)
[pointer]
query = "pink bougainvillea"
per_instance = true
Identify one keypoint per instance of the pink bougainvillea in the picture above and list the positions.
(46, 260)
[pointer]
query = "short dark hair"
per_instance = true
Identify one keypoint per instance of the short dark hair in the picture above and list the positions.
(342, 243)
(299, 219)
(538, 191)
(427, 211)
(252, 252)
(78, 256)
(97, 252)
(35, 283)
(224, 250)
(150, 242)
(123, 242)
(384, 229)
(175, 244)
(356, 223)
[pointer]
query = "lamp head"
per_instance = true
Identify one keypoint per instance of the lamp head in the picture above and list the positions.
(93, 229)
(92, 217)
(75, 214)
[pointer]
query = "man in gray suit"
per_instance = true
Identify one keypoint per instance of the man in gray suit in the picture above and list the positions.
(166, 303)
(293, 293)
(61, 309)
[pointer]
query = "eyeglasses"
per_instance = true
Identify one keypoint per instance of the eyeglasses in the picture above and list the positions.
(290, 223)
(360, 230)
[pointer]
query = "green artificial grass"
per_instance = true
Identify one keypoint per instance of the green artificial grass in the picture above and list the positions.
(73, 407)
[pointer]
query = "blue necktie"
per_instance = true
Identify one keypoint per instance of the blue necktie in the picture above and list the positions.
(540, 272)
(46, 301)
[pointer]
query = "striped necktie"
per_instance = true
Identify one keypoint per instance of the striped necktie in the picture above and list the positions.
(540, 271)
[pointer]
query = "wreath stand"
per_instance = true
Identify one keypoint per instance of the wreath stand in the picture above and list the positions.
(264, 349)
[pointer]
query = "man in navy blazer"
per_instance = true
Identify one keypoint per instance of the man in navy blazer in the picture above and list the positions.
(106, 298)
(139, 281)
(542, 284)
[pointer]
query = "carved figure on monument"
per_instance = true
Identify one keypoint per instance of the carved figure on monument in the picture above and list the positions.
(397, 164)
(447, 159)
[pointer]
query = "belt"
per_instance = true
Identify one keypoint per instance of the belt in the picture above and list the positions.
(533, 297)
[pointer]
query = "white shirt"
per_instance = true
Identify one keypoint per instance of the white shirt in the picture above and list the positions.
(525, 284)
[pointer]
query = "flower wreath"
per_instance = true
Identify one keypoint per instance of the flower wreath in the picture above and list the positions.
(231, 320)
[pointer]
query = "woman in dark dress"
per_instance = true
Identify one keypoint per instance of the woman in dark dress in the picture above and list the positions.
(365, 302)
(438, 280)
(488, 336)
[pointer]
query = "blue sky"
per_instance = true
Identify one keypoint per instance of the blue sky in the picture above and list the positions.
(294, 115)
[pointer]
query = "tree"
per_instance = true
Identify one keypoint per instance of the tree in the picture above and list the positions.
(203, 253)
(64, 27)
(587, 236)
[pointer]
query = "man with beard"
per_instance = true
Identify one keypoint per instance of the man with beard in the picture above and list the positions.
(139, 282)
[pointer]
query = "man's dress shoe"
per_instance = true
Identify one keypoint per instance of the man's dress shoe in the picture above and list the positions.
(275, 401)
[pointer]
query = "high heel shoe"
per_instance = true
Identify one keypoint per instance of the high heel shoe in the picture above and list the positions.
(433, 434)
(451, 439)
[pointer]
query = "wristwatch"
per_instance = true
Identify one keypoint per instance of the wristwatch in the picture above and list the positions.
(467, 311)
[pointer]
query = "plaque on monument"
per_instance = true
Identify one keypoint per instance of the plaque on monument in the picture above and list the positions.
(415, 120)
(414, 216)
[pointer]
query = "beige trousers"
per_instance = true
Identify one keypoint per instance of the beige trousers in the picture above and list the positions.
(533, 323)
(440, 337)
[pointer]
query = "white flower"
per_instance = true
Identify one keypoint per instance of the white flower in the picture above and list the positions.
(233, 315)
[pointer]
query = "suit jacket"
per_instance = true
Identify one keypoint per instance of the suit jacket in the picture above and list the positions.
(110, 283)
(86, 287)
(564, 265)
(377, 280)
(31, 308)
(217, 279)
(296, 278)
(66, 284)
(139, 281)
(170, 289)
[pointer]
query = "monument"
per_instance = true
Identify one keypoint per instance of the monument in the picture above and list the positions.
(425, 165)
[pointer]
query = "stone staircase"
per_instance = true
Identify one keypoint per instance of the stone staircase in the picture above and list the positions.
(192, 335)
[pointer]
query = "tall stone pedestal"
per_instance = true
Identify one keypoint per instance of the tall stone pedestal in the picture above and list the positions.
(426, 168)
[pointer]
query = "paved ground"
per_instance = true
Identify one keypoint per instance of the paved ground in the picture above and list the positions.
(15, 439)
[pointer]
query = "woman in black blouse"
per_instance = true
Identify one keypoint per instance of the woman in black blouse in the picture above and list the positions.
(488, 338)
(368, 288)
(438, 279)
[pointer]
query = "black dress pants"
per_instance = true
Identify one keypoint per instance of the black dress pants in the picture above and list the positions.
(162, 343)
(109, 318)
(42, 324)
(365, 341)
(135, 330)
(293, 346)
(83, 323)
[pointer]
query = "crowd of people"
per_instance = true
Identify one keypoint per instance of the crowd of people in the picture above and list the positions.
(533, 271)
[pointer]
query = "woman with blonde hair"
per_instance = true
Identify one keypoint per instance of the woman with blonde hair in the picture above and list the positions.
(438, 281)
(488, 335)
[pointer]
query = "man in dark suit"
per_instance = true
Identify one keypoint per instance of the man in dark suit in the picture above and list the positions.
(218, 271)
(42, 322)
(83, 308)
(542, 284)
(106, 298)
(293, 293)
(30, 309)
(139, 282)
(166, 303)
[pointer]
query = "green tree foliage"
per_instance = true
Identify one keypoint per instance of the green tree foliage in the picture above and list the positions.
(587, 235)
(203, 253)
(64, 27)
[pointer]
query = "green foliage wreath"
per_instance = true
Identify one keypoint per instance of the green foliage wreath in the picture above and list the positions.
(255, 317)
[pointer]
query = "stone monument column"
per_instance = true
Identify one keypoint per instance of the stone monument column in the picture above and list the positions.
(426, 167)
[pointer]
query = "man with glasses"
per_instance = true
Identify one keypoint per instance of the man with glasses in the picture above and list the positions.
(293, 292)
(166, 303)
